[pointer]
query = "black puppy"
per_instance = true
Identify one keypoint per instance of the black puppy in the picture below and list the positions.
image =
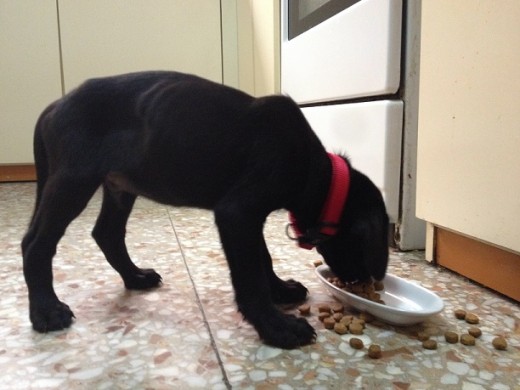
(182, 140)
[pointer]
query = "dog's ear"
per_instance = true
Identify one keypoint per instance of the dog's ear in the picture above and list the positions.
(372, 232)
(366, 214)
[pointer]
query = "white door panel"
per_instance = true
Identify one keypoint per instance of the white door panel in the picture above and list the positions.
(356, 52)
(370, 135)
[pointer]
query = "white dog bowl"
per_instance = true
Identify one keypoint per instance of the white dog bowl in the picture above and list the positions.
(406, 303)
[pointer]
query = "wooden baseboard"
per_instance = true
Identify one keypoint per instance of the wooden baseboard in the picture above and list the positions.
(493, 267)
(17, 172)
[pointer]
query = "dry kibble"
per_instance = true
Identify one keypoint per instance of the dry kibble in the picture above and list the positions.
(471, 318)
(423, 336)
(500, 343)
(340, 328)
(367, 317)
(304, 309)
(329, 323)
(451, 337)
(337, 317)
(475, 332)
(373, 296)
(331, 314)
(317, 263)
(346, 319)
(359, 321)
(323, 308)
(429, 344)
(368, 287)
(323, 315)
(336, 307)
(460, 314)
(374, 351)
(356, 343)
(467, 339)
(355, 328)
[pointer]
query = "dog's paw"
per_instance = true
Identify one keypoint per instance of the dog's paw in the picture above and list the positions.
(143, 280)
(50, 316)
(288, 292)
(284, 330)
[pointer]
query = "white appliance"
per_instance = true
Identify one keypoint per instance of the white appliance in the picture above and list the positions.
(342, 61)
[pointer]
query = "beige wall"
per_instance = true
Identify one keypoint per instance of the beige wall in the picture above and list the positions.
(469, 119)
(230, 41)
(258, 46)
(29, 72)
(101, 37)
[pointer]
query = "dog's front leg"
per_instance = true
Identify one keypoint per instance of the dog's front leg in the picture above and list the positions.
(241, 235)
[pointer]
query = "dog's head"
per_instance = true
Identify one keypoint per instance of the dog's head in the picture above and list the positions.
(359, 250)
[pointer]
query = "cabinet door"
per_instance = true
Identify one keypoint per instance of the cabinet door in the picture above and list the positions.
(469, 122)
(468, 181)
(29, 73)
(104, 37)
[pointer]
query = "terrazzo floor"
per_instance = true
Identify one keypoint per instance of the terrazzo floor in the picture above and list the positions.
(188, 334)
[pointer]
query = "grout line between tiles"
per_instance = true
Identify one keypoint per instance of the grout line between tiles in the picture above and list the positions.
(201, 307)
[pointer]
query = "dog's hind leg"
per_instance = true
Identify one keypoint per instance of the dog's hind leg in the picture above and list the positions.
(109, 234)
(63, 198)
(42, 170)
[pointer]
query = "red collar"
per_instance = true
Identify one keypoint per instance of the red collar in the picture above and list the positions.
(328, 223)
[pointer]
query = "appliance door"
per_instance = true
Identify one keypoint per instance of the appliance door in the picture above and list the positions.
(370, 135)
(353, 53)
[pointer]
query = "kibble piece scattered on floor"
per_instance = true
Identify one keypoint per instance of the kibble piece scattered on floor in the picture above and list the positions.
(359, 321)
(471, 318)
(323, 315)
(340, 328)
(346, 319)
(336, 307)
(460, 314)
(500, 343)
(475, 332)
(317, 263)
(329, 323)
(356, 343)
(337, 317)
(324, 308)
(374, 351)
(429, 344)
(451, 337)
(467, 339)
(422, 336)
(355, 328)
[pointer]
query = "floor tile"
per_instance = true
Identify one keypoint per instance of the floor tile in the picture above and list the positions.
(188, 333)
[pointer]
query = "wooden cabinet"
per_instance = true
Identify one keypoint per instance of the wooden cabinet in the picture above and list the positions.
(469, 139)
